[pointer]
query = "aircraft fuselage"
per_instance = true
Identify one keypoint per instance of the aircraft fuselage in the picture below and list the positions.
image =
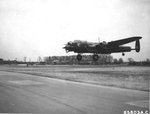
(80, 47)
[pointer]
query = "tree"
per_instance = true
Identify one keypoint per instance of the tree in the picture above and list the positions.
(120, 60)
(147, 60)
(131, 60)
(25, 58)
(1, 61)
(39, 59)
(115, 61)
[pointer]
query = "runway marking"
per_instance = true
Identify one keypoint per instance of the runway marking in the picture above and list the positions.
(141, 103)
(25, 82)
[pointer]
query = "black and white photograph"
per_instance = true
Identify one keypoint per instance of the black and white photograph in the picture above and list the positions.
(75, 56)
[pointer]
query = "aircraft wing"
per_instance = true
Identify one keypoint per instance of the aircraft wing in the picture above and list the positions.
(124, 41)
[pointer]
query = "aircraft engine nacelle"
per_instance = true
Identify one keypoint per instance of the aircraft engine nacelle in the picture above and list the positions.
(122, 49)
(137, 46)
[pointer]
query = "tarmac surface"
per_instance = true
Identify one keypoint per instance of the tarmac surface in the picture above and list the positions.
(24, 93)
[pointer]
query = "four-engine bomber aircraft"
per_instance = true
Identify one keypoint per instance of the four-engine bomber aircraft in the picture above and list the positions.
(80, 47)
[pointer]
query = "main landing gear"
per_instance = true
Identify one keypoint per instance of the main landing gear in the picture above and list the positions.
(79, 57)
(95, 57)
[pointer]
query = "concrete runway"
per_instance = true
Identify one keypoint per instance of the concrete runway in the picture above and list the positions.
(22, 93)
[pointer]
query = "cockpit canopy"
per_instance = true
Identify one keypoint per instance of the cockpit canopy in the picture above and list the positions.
(76, 42)
(69, 43)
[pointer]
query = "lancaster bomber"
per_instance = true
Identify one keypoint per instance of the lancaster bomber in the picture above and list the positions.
(81, 47)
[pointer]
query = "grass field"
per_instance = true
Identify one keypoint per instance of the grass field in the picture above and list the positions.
(118, 76)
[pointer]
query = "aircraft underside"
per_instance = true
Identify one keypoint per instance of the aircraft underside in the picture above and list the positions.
(95, 57)
(106, 51)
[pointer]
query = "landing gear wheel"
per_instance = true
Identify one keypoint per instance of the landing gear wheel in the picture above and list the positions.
(123, 54)
(95, 57)
(79, 57)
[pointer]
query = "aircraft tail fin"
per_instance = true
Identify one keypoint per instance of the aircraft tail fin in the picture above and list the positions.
(137, 46)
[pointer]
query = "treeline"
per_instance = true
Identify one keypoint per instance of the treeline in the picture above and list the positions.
(70, 60)
(9, 62)
(62, 60)
(139, 63)
(86, 59)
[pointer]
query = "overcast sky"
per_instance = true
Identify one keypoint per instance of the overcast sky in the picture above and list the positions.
(35, 28)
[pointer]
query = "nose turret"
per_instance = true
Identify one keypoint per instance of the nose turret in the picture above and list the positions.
(68, 46)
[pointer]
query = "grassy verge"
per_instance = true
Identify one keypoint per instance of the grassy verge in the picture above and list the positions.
(122, 76)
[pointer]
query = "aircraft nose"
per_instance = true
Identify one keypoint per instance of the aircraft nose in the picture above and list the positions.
(66, 47)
